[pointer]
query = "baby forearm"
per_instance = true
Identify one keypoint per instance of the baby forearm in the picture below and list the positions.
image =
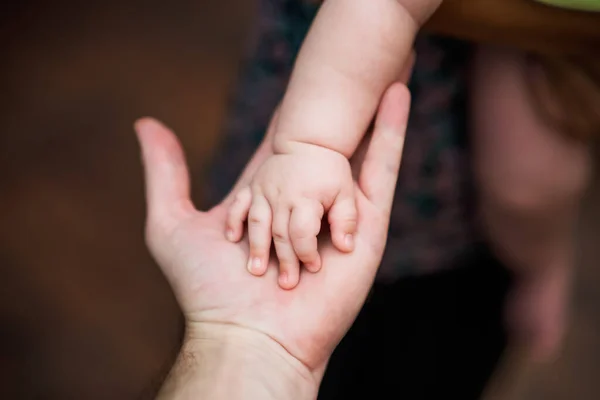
(353, 53)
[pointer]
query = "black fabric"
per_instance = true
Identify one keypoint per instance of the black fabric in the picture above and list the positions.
(431, 337)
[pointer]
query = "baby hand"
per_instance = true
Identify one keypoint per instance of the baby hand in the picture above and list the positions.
(285, 203)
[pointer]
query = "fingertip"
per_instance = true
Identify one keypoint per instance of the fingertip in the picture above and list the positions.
(146, 125)
(284, 280)
(398, 92)
(166, 171)
(158, 141)
(345, 242)
(341, 242)
(344, 234)
(349, 241)
(237, 214)
(235, 232)
(140, 127)
(230, 235)
(314, 266)
(257, 266)
(344, 237)
(140, 123)
(287, 280)
(231, 227)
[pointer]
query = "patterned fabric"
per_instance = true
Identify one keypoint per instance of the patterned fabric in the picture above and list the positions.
(431, 221)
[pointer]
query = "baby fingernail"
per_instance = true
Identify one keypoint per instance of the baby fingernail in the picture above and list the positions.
(229, 235)
(349, 240)
(283, 279)
(254, 265)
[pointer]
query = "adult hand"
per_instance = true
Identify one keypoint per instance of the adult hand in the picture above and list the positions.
(223, 303)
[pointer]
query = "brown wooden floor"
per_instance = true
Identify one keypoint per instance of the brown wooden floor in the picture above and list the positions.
(84, 312)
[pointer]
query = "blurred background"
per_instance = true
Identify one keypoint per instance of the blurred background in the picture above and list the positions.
(84, 312)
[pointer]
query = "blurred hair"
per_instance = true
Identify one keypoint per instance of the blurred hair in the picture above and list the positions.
(566, 93)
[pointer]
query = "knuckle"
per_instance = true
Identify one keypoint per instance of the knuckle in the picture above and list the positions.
(348, 213)
(346, 219)
(351, 215)
(350, 209)
(301, 231)
(346, 204)
(307, 255)
(350, 219)
(350, 226)
(239, 197)
(280, 232)
(280, 236)
(257, 248)
(288, 264)
(255, 220)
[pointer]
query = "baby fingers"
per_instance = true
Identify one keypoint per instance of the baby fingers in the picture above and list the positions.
(305, 225)
(237, 214)
(289, 269)
(343, 220)
(259, 234)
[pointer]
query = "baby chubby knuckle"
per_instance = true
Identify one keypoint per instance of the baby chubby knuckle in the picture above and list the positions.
(348, 216)
(242, 196)
(301, 231)
(349, 225)
(280, 233)
(258, 216)
(279, 237)
(255, 220)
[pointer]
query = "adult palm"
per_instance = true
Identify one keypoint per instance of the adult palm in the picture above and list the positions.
(208, 273)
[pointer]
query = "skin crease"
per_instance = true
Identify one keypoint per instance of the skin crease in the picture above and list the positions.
(352, 53)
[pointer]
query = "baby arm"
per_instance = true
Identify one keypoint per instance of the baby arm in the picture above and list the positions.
(352, 54)
(354, 51)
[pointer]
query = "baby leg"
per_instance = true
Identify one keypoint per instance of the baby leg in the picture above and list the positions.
(530, 178)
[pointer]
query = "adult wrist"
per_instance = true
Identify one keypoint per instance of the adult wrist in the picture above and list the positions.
(227, 362)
